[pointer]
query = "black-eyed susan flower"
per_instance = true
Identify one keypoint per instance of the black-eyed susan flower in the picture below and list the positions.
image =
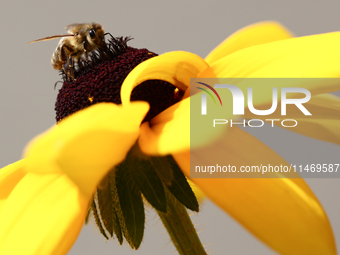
(45, 196)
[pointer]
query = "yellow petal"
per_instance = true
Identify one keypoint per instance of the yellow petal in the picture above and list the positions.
(42, 215)
(9, 177)
(314, 56)
(284, 213)
(169, 131)
(323, 124)
(87, 144)
(174, 67)
(258, 33)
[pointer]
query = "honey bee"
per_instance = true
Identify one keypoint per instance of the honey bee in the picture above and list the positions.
(81, 39)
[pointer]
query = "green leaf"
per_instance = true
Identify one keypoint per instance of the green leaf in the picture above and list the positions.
(88, 214)
(118, 209)
(105, 204)
(163, 170)
(96, 217)
(107, 209)
(180, 187)
(116, 224)
(132, 207)
(147, 181)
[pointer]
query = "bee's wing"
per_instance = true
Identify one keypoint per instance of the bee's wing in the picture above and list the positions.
(68, 27)
(50, 38)
(74, 27)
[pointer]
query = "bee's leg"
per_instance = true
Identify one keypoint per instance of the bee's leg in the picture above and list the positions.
(80, 64)
(103, 44)
(65, 69)
(70, 73)
(63, 58)
(86, 56)
(67, 62)
(85, 51)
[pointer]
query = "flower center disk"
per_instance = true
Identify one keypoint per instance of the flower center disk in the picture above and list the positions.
(100, 80)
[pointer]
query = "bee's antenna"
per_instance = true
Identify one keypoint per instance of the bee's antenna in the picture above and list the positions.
(108, 34)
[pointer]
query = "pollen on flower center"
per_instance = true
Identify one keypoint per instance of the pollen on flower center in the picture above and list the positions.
(100, 80)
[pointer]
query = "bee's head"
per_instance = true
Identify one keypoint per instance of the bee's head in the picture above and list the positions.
(95, 35)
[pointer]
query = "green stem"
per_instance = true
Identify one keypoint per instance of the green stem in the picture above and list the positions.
(180, 228)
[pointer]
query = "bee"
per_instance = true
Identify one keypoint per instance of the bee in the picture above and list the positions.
(82, 38)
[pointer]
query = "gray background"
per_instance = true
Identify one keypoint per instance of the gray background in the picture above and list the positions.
(27, 96)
